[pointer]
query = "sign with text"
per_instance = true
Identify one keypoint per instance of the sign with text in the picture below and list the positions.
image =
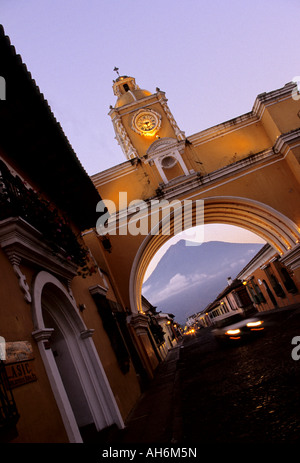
(20, 373)
(19, 363)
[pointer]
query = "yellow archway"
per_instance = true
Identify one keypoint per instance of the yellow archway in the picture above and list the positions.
(246, 170)
(276, 229)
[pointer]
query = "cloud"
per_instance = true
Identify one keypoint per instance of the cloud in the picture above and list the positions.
(239, 263)
(177, 284)
(146, 288)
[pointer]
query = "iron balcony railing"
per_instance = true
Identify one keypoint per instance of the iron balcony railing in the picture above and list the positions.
(16, 200)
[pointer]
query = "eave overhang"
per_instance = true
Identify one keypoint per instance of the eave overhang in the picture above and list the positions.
(33, 141)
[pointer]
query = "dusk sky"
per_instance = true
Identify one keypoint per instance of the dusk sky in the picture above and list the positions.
(212, 58)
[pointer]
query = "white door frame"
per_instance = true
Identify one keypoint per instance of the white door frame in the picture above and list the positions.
(98, 393)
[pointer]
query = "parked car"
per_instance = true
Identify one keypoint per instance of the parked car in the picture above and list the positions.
(232, 331)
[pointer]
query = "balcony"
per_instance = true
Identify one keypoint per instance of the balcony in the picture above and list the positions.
(34, 231)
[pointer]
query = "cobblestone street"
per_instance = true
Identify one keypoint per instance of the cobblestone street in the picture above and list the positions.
(210, 394)
(247, 393)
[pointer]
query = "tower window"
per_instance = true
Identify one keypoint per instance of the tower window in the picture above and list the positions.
(126, 88)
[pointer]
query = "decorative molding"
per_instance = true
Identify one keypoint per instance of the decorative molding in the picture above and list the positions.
(140, 323)
(43, 335)
(163, 101)
(164, 146)
(22, 283)
(98, 289)
(291, 258)
(92, 377)
(275, 96)
(23, 243)
(123, 138)
(88, 333)
(284, 142)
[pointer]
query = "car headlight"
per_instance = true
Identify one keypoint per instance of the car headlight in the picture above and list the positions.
(257, 323)
(230, 332)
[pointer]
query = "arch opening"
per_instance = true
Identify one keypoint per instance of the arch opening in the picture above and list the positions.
(270, 225)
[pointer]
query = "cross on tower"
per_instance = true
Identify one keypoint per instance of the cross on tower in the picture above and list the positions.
(117, 71)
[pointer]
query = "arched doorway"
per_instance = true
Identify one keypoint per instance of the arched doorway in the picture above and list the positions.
(76, 375)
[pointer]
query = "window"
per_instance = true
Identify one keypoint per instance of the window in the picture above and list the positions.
(288, 281)
(260, 295)
(275, 283)
(105, 309)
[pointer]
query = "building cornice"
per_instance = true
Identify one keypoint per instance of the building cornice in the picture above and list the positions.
(263, 256)
(132, 106)
(23, 243)
(185, 184)
(262, 101)
(113, 173)
(277, 153)
(292, 258)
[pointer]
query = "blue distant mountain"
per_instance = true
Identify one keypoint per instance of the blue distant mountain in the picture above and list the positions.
(188, 278)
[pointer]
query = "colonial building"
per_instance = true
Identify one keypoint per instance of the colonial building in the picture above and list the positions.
(68, 366)
(234, 299)
(270, 283)
(264, 283)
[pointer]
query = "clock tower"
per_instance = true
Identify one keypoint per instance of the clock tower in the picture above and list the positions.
(146, 129)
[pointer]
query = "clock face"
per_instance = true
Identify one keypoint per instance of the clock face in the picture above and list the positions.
(146, 122)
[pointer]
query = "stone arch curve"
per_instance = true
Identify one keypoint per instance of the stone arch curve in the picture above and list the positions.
(274, 227)
(51, 297)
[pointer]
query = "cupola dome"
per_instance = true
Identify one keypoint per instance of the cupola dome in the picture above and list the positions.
(127, 91)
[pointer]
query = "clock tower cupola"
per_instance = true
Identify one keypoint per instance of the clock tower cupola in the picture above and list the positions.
(140, 117)
(145, 127)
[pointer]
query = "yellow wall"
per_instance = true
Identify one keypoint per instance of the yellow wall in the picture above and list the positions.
(228, 147)
(34, 400)
(285, 114)
(125, 387)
